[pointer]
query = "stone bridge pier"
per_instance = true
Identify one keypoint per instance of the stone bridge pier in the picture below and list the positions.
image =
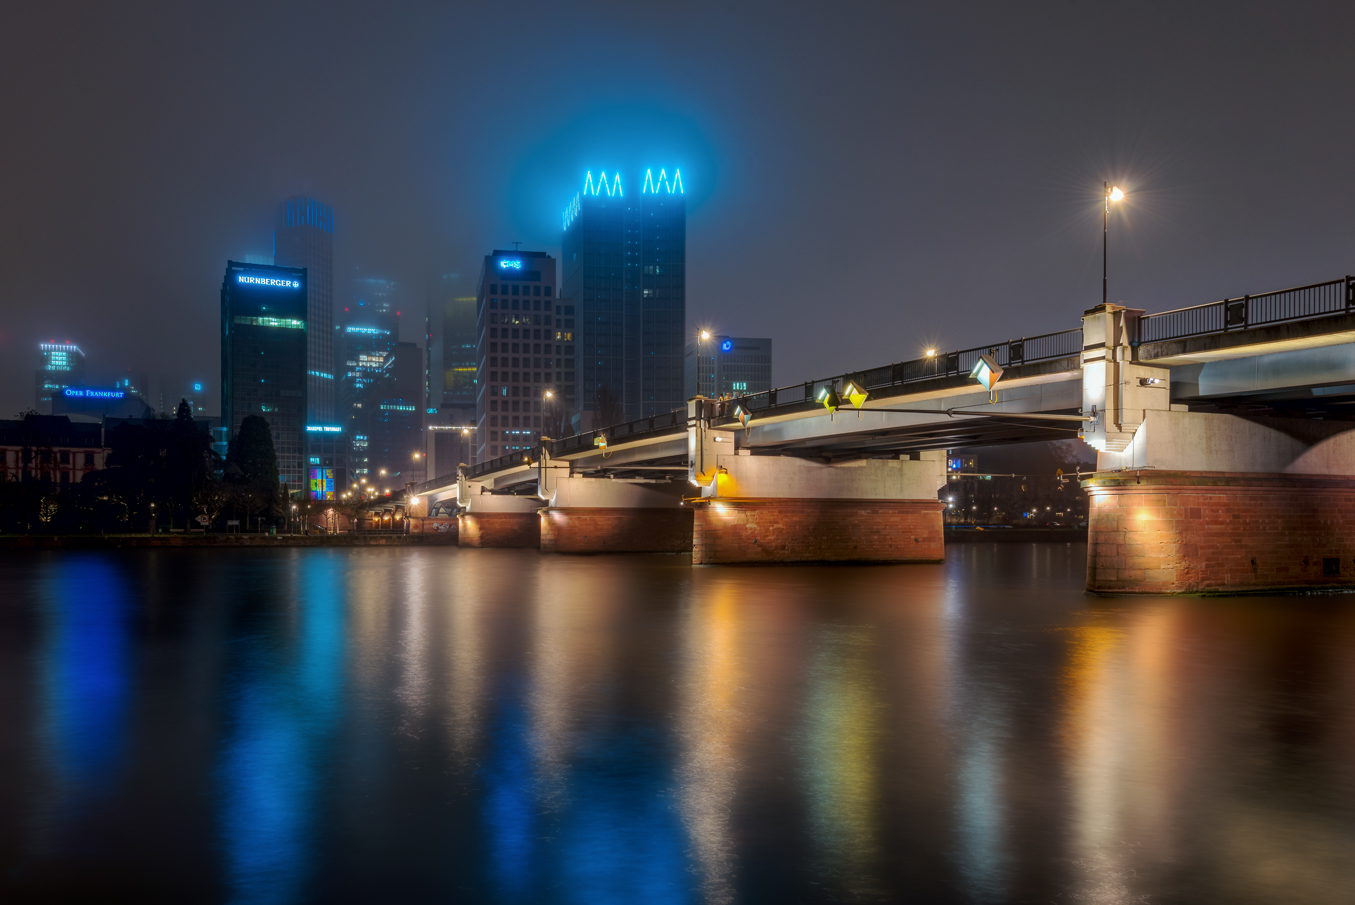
(775, 509)
(609, 515)
(496, 519)
(1204, 502)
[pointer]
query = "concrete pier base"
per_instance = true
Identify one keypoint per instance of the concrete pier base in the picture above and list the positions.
(1194, 532)
(616, 530)
(601, 515)
(500, 521)
(812, 530)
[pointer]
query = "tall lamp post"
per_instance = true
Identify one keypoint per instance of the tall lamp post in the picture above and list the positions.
(1113, 193)
(702, 338)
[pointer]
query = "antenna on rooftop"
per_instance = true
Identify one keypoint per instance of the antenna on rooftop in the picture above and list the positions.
(515, 245)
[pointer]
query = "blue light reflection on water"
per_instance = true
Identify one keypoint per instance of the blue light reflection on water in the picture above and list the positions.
(285, 691)
(84, 671)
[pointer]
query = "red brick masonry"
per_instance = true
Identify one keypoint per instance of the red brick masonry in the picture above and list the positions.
(599, 530)
(1213, 532)
(443, 527)
(806, 530)
(500, 529)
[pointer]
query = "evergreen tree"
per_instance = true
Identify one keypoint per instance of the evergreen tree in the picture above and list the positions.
(252, 467)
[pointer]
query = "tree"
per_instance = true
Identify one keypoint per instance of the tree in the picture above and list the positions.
(252, 468)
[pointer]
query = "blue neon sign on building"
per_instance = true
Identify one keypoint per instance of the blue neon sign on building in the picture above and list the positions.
(91, 393)
(510, 265)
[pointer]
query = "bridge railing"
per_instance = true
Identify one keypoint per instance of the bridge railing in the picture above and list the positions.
(1015, 352)
(1227, 315)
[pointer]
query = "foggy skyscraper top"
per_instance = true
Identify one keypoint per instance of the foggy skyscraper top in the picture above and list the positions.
(304, 237)
(625, 255)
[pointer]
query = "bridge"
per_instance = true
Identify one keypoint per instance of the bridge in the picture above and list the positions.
(1225, 456)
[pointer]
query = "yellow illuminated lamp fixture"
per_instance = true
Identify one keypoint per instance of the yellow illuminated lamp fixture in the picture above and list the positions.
(855, 395)
(829, 399)
(986, 372)
(743, 415)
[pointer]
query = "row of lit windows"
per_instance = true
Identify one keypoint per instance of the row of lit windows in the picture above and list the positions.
(513, 290)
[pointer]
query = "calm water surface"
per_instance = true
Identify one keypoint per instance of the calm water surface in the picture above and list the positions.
(501, 726)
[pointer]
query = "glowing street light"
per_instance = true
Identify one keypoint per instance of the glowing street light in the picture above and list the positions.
(705, 334)
(1112, 194)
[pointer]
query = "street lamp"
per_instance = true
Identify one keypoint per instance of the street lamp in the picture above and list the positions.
(1113, 193)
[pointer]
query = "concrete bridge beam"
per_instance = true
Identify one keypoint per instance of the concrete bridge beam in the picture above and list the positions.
(771, 509)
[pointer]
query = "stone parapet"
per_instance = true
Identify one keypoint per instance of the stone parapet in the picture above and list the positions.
(1198, 532)
(499, 529)
(616, 530)
(751, 530)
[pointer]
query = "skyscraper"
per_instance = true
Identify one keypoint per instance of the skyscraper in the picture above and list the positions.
(304, 237)
(62, 365)
(451, 377)
(718, 365)
(519, 351)
(366, 337)
(624, 272)
(264, 354)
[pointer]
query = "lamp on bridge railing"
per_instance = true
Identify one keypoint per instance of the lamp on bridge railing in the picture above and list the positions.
(854, 393)
(829, 398)
(743, 415)
(986, 372)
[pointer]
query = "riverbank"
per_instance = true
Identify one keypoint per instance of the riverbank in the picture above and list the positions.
(109, 541)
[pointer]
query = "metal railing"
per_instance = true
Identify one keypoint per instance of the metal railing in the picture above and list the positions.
(1227, 315)
(1012, 353)
(665, 423)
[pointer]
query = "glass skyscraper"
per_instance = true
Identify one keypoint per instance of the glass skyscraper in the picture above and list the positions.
(625, 254)
(304, 237)
(264, 357)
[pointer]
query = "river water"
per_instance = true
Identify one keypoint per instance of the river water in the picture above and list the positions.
(501, 726)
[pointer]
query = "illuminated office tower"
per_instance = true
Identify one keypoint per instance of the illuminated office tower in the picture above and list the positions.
(365, 339)
(522, 350)
(62, 365)
(625, 254)
(450, 378)
(724, 365)
(304, 238)
(264, 358)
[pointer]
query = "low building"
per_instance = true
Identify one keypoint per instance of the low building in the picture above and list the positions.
(51, 448)
(728, 365)
(100, 402)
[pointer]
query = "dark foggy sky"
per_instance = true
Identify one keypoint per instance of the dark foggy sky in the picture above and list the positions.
(863, 179)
